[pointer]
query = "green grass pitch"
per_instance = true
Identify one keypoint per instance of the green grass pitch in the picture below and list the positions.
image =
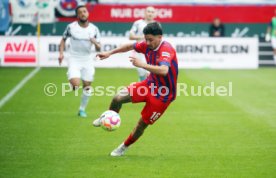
(233, 136)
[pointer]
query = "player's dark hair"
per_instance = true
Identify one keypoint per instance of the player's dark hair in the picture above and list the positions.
(153, 28)
(76, 10)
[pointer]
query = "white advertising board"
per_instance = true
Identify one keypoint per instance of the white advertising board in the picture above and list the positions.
(214, 53)
(217, 53)
(28, 11)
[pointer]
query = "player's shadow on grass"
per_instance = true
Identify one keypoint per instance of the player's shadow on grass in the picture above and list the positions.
(136, 157)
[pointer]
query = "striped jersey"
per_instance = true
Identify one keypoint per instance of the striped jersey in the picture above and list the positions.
(164, 87)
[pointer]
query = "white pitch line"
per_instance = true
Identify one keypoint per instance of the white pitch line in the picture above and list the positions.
(18, 87)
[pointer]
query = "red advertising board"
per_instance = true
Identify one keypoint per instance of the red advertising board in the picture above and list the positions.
(182, 13)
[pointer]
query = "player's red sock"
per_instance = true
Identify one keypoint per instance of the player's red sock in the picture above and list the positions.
(130, 140)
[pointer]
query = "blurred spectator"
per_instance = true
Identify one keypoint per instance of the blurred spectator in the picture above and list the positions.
(136, 33)
(271, 35)
(216, 28)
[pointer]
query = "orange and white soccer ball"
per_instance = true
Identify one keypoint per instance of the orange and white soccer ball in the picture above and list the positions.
(110, 120)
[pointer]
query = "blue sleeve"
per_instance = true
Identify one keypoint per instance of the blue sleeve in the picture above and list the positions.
(166, 63)
(134, 46)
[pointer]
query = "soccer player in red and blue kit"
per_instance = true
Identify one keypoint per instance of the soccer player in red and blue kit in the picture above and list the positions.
(157, 91)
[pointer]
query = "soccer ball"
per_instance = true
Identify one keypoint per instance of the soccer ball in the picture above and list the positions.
(110, 120)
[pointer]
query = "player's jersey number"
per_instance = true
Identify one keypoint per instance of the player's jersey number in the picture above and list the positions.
(155, 116)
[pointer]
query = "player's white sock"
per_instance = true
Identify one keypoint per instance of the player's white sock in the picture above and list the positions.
(141, 78)
(274, 59)
(86, 93)
(119, 151)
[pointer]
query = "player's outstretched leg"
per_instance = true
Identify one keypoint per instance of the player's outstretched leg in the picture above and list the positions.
(119, 99)
(136, 133)
(75, 83)
(116, 104)
(86, 93)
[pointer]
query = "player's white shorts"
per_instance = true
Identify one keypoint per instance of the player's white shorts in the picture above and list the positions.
(273, 42)
(81, 68)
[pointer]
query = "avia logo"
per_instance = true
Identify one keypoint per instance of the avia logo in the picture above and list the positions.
(20, 52)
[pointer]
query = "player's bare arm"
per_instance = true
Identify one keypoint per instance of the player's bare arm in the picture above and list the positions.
(123, 48)
(103, 55)
(61, 50)
(97, 44)
(159, 70)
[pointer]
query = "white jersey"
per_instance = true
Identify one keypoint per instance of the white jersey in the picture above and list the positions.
(138, 27)
(80, 44)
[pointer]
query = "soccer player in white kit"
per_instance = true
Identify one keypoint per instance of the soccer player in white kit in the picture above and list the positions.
(83, 35)
(136, 33)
